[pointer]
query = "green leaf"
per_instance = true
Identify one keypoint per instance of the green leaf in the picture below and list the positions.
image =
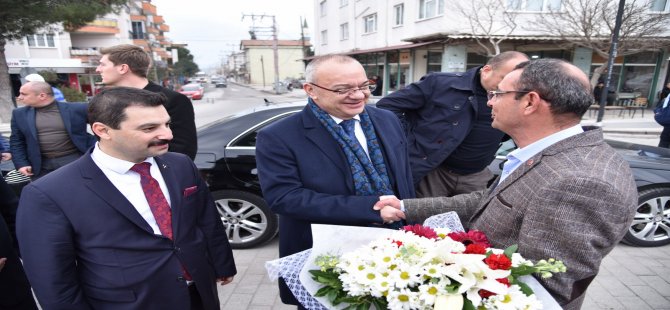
(467, 304)
(511, 250)
(525, 288)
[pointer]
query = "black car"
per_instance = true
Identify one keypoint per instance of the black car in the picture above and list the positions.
(226, 158)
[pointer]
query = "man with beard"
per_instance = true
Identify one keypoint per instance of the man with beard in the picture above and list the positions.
(128, 225)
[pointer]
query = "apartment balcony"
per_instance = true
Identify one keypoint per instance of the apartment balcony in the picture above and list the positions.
(138, 18)
(164, 27)
(159, 19)
(74, 51)
(100, 26)
(148, 8)
(153, 30)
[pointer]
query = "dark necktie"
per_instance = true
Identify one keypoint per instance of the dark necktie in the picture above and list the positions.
(349, 128)
(157, 203)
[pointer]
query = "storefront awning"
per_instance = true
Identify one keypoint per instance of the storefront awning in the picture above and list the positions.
(391, 48)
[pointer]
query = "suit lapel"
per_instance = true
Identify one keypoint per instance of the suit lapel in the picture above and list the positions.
(320, 137)
(172, 183)
(98, 183)
(30, 122)
(65, 115)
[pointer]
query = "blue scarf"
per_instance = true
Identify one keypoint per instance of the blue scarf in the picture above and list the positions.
(370, 174)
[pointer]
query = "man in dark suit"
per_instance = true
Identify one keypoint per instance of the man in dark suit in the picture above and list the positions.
(128, 65)
(46, 134)
(15, 293)
(563, 194)
(128, 225)
(331, 162)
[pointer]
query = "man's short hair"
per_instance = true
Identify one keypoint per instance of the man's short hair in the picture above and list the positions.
(41, 87)
(316, 62)
(504, 57)
(552, 79)
(134, 56)
(109, 106)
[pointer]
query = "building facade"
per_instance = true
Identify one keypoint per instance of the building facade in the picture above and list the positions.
(74, 54)
(258, 66)
(402, 40)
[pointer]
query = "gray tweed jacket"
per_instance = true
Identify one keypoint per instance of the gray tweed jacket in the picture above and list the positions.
(573, 201)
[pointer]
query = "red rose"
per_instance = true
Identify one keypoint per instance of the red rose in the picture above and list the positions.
(421, 230)
(473, 236)
(474, 249)
(498, 262)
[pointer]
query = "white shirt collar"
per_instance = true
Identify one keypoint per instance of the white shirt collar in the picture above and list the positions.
(112, 163)
(339, 120)
(524, 154)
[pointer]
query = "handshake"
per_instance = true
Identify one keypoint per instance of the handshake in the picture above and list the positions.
(389, 207)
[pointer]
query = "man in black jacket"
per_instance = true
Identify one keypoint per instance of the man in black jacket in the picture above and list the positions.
(15, 293)
(127, 65)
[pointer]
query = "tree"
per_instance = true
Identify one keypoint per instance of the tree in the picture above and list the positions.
(488, 22)
(21, 18)
(590, 24)
(185, 66)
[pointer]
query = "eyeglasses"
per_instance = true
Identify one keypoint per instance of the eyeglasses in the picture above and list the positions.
(349, 91)
(493, 93)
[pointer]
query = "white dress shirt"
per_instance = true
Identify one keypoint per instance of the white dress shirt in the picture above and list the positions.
(128, 182)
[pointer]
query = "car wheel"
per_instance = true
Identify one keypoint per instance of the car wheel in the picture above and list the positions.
(651, 224)
(246, 217)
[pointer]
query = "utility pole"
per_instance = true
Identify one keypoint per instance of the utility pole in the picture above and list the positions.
(255, 31)
(263, 70)
(610, 61)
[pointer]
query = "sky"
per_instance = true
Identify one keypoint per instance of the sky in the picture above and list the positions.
(213, 29)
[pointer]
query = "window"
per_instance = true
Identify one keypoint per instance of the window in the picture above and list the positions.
(324, 37)
(344, 31)
(370, 23)
(398, 14)
(659, 6)
(138, 30)
(534, 5)
(344, 3)
(322, 8)
(41, 40)
(430, 8)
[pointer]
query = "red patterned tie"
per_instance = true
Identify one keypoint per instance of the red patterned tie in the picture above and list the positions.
(157, 202)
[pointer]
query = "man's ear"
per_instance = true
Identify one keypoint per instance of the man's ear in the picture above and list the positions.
(532, 103)
(124, 68)
(309, 89)
(101, 130)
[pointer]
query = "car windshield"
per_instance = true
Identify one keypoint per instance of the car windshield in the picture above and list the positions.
(190, 88)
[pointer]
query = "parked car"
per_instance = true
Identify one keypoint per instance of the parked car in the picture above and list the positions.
(227, 161)
(193, 91)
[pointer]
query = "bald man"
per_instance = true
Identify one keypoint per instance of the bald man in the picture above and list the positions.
(46, 134)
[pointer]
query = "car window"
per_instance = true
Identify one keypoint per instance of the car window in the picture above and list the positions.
(249, 139)
(505, 148)
(190, 88)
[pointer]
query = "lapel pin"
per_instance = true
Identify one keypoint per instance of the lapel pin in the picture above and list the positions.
(530, 162)
(164, 166)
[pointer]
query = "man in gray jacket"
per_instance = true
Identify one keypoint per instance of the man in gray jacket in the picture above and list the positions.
(563, 194)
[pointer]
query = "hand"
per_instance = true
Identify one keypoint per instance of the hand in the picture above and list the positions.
(390, 202)
(390, 214)
(6, 156)
(2, 262)
(27, 171)
(225, 280)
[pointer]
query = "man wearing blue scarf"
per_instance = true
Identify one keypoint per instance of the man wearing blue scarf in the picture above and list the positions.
(331, 162)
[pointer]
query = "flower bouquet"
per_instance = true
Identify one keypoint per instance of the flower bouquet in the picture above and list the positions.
(423, 268)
